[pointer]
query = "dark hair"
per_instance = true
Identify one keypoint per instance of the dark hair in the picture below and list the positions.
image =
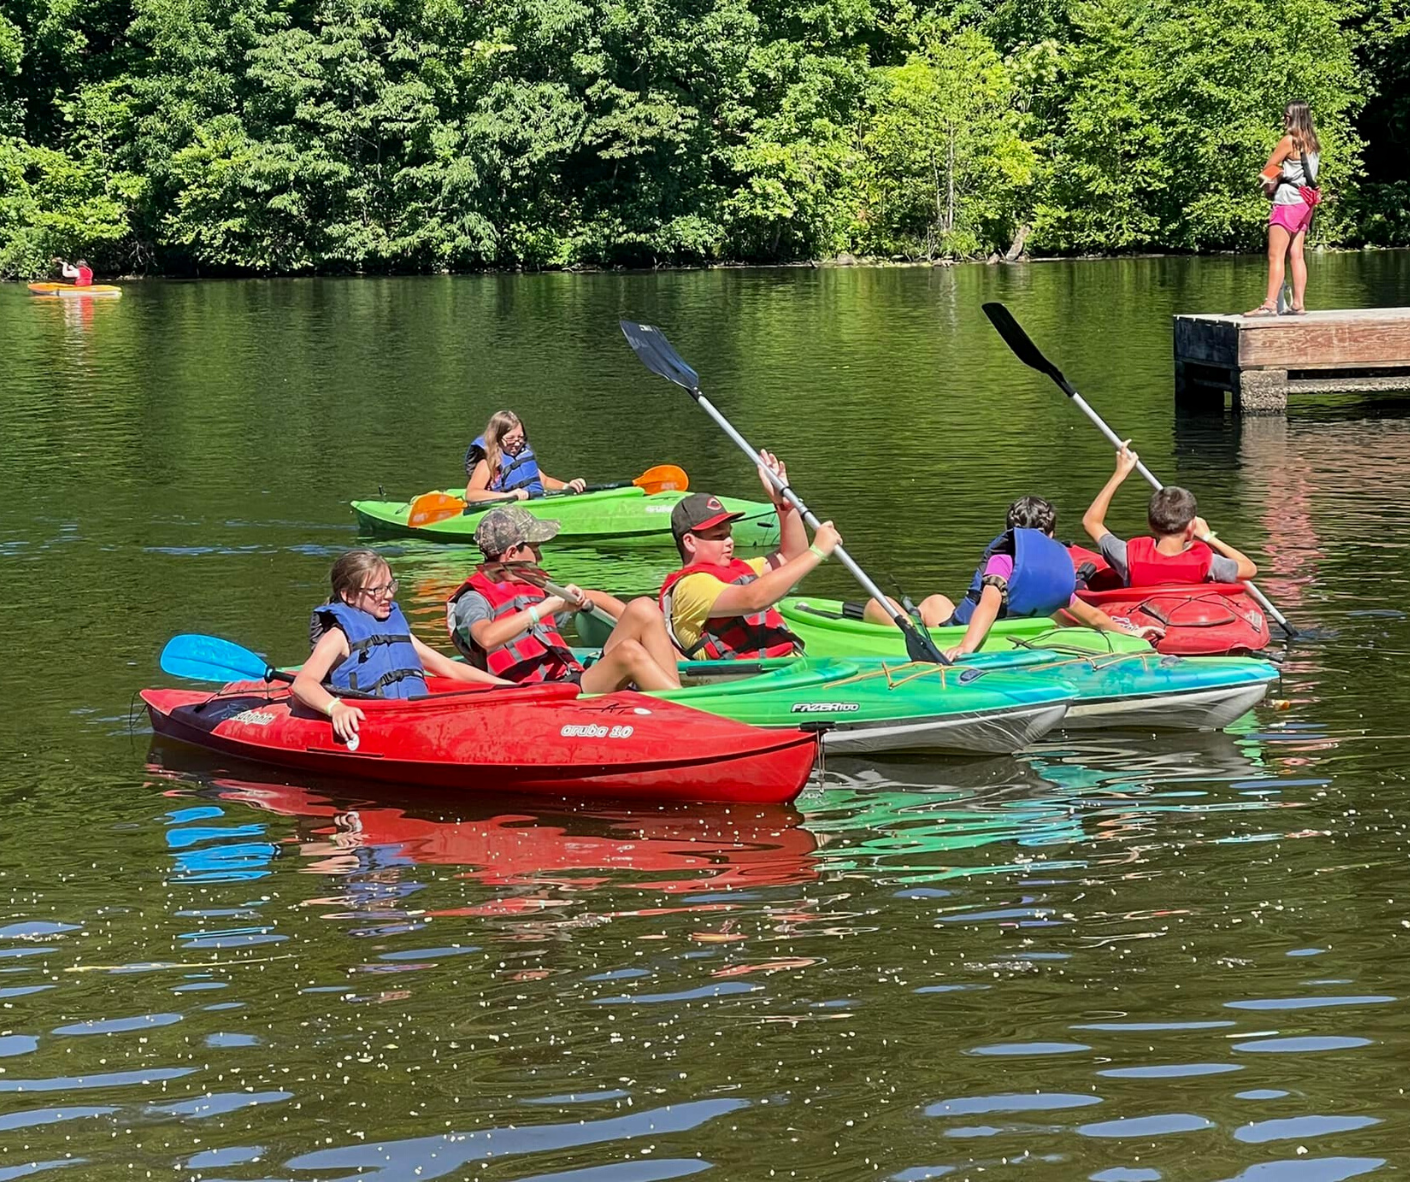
(1032, 513)
(1171, 509)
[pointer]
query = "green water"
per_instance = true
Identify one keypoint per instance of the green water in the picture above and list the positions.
(1124, 958)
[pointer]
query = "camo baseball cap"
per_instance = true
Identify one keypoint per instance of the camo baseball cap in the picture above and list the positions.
(508, 526)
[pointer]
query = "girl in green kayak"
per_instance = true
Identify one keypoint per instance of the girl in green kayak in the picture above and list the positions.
(501, 465)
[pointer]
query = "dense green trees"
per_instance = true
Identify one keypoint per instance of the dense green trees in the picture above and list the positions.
(343, 135)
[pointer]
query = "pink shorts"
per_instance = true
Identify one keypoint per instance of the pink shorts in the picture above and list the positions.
(1293, 218)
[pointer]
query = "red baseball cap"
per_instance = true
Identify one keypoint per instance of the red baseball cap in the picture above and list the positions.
(699, 511)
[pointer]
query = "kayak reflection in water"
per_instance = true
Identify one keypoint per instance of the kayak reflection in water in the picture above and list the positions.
(508, 625)
(720, 606)
(501, 464)
(362, 642)
(1024, 572)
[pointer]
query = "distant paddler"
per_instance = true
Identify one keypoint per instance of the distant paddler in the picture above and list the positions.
(80, 274)
(501, 464)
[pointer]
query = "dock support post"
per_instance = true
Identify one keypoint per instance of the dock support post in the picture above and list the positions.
(1261, 392)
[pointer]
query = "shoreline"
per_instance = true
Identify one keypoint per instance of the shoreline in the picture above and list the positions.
(841, 262)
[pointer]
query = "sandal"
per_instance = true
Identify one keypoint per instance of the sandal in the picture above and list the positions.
(1263, 309)
(1295, 311)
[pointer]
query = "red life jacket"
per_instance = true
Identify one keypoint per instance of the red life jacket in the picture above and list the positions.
(1147, 567)
(762, 634)
(541, 654)
(85, 277)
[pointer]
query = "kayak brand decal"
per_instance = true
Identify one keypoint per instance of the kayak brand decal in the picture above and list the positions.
(254, 717)
(825, 707)
(591, 730)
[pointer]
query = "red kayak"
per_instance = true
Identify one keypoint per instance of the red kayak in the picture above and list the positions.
(1200, 619)
(539, 739)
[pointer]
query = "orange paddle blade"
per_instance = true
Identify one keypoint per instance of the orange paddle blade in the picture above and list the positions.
(662, 478)
(431, 507)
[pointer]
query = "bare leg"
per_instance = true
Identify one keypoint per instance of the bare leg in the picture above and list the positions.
(641, 621)
(934, 609)
(1299, 270)
(1277, 251)
(627, 662)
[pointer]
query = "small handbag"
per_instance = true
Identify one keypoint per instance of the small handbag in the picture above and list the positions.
(1309, 193)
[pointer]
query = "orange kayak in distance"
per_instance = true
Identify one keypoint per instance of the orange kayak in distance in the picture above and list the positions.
(68, 289)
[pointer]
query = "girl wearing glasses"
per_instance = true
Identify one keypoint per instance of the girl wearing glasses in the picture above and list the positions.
(500, 465)
(362, 642)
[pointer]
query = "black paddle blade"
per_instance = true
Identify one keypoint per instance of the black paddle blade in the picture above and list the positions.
(658, 356)
(919, 646)
(1021, 344)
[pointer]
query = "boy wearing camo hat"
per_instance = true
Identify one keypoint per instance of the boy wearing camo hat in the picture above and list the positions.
(508, 626)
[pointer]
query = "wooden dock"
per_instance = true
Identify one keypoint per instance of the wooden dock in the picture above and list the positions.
(1263, 359)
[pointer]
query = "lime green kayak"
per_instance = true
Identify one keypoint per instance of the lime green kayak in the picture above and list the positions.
(610, 513)
(1120, 680)
(874, 705)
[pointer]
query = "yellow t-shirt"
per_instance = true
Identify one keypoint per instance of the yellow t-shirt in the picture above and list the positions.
(693, 598)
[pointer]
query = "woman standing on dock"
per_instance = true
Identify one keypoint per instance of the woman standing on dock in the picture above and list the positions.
(1288, 179)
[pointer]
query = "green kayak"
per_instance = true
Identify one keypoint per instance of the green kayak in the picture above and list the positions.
(1120, 680)
(610, 513)
(874, 705)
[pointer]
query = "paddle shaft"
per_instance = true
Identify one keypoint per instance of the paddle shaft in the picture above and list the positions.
(810, 517)
(544, 583)
(592, 609)
(1029, 354)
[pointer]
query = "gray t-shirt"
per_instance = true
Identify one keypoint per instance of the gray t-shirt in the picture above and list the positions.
(470, 609)
(1222, 570)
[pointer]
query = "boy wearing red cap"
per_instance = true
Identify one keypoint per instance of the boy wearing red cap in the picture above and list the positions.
(718, 606)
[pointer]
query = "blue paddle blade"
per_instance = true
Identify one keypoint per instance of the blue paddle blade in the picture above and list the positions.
(208, 658)
(658, 356)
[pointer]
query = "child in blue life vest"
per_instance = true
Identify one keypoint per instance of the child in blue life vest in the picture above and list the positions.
(500, 465)
(361, 642)
(1181, 549)
(505, 623)
(1023, 573)
(721, 607)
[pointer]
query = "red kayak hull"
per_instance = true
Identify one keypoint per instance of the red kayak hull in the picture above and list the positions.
(1200, 619)
(534, 740)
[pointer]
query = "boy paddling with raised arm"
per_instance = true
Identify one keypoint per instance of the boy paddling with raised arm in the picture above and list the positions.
(505, 624)
(1181, 549)
(719, 606)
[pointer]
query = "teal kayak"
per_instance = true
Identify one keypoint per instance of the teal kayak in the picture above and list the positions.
(609, 513)
(870, 705)
(1120, 680)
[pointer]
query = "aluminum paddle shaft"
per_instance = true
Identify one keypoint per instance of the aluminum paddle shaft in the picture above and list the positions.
(1029, 353)
(657, 354)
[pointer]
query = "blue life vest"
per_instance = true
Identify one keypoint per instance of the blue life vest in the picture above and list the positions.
(381, 659)
(521, 471)
(1043, 578)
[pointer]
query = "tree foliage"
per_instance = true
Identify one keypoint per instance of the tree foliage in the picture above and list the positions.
(347, 135)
